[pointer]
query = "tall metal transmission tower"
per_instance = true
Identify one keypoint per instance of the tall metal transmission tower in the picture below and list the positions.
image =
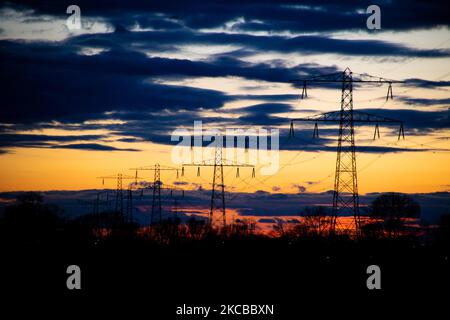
(174, 196)
(156, 200)
(119, 194)
(218, 196)
(98, 202)
(345, 196)
(217, 213)
(157, 214)
(129, 212)
(119, 208)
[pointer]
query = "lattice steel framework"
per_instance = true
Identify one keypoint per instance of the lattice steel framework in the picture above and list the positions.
(157, 212)
(345, 195)
(217, 213)
(119, 207)
(218, 188)
(156, 199)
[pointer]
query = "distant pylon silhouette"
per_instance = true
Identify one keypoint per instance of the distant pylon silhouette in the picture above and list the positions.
(119, 192)
(119, 195)
(156, 201)
(129, 215)
(217, 211)
(157, 212)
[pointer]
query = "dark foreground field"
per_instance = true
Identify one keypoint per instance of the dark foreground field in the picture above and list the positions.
(300, 271)
(297, 275)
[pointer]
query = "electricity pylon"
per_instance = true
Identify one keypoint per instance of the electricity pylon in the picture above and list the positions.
(98, 202)
(130, 208)
(156, 216)
(173, 194)
(119, 190)
(345, 196)
(95, 204)
(217, 213)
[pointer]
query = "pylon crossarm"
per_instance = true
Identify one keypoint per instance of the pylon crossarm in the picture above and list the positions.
(358, 116)
(123, 177)
(337, 77)
(365, 77)
(224, 163)
(203, 163)
(152, 167)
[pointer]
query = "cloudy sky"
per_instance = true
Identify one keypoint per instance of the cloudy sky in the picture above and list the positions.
(78, 104)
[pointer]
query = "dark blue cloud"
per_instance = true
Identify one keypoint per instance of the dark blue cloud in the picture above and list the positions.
(307, 44)
(42, 82)
(424, 101)
(13, 139)
(55, 142)
(284, 15)
(267, 108)
(314, 147)
(91, 147)
(414, 82)
(77, 203)
(70, 87)
(266, 97)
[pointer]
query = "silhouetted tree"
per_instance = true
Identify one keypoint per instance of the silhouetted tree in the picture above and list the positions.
(444, 228)
(279, 228)
(393, 208)
(315, 220)
(240, 228)
(373, 229)
(197, 228)
(166, 231)
(29, 220)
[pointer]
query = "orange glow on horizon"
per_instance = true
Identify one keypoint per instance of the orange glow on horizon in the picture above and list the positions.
(61, 169)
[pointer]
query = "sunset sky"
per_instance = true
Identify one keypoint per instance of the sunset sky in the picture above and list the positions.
(80, 104)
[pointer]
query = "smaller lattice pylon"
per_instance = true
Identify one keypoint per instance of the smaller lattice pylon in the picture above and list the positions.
(157, 212)
(119, 208)
(217, 214)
